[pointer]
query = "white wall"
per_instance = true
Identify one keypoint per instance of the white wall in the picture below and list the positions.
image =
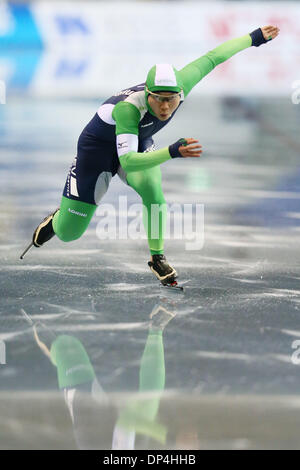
(95, 49)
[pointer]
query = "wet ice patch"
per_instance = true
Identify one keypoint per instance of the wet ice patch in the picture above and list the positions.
(133, 267)
(76, 252)
(225, 355)
(122, 286)
(103, 327)
(8, 336)
(8, 247)
(292, 215)
(282, 293)
(242, 244)
(247, 281)
(280, 357)
(290, 332)
(272, 357)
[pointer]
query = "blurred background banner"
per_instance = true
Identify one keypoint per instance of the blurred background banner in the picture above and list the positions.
(84, 49)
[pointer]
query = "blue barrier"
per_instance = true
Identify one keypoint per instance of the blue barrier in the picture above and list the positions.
(21, 30)
(21, 46)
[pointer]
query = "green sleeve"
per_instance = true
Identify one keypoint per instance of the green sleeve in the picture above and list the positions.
(136, 161)
(127, 117)
(192, 73)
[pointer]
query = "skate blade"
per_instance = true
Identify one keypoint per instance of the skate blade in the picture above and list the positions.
(174, 286)
(27, 249)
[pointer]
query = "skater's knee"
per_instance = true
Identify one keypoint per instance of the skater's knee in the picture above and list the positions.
(153, 197)
(67, 235)
(70, 223)
(151, 193)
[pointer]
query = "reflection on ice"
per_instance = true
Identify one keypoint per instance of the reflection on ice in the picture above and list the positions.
(136, 417)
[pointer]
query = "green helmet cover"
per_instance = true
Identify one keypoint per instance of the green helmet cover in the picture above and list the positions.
(162, 77)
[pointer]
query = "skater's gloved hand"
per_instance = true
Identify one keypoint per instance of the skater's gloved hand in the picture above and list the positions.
(264, 34)
(185, 148)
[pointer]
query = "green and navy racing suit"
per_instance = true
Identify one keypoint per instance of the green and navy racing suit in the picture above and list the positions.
(118, 139)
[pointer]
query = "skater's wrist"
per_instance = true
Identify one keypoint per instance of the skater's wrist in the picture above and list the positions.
(174, 148)
(258, 37)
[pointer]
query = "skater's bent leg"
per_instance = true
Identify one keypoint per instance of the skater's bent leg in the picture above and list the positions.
(72, 219)
(152, 370)
(87, 181)
(140, 415)
(147, 184)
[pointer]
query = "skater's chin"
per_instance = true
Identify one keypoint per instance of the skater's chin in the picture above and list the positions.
(163, 117)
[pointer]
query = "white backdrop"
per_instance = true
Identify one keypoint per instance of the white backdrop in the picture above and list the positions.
(95, 49)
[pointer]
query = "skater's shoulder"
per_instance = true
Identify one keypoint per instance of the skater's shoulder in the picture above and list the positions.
(133, 96)
(138, 99)
(131, 91)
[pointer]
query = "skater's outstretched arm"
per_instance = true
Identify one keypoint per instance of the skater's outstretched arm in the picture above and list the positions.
(193, 73)
(127, 118)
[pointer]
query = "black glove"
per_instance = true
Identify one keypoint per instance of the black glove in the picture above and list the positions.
(258, 38)
(173, 148)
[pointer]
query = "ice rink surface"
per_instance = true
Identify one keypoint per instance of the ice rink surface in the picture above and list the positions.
(213, 367)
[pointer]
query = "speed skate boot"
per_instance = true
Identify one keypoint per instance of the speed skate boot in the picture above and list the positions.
(165, 273)
(43, 233)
